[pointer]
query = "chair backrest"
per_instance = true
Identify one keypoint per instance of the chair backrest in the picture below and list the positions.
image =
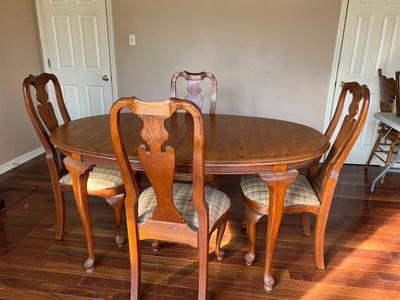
(194, 89)
(324, 177)
(41, 111)
(388, 92)
(157, 159)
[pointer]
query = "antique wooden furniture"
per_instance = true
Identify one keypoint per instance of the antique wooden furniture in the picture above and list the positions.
(194, 95)
(390, 121)
(194, 89)
(176, 212)
(387, 136)
(306, 194)
(104, 182)
(233, 145)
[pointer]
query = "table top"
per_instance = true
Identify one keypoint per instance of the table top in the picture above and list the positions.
(233, 144)
(390, 119)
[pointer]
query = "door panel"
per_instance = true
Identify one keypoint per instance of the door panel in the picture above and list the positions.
(96, 101)
(90, 42)
(64, 49)
(76, 36)
(371, 40)
(71, 92)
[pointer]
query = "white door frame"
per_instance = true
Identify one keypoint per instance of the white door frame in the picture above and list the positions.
(329, 110)
(111, 41)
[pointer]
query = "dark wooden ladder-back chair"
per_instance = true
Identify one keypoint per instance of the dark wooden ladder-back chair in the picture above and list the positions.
(168, 211)
(103, 182)
(387, 137)
(312, 193)
(194, 89)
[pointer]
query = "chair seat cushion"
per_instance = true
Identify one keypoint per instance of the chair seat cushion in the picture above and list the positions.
(100, 178)
(218, 204)
(300, 192)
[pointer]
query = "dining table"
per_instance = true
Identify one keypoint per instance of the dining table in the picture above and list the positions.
(274, 149)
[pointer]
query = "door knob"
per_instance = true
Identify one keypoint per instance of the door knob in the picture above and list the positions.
(105, 77)
(342, 83)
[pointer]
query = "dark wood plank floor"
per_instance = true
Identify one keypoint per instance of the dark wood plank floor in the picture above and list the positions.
(362, 248)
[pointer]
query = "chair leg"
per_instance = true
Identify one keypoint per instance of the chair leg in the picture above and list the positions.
(378, 140)
(203, 262)
(117, 204)
(389, 158)
(58, 198)
(306, 224)
(219, 253)
(156, 245)
(320, 228)
(134, 247)
(251, 221)
(60, 213)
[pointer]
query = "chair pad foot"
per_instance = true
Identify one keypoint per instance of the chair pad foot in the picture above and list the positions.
(120, 241)
(249, 258)
(268, 283)
(89, 265)
(220, 255)
(156, 246)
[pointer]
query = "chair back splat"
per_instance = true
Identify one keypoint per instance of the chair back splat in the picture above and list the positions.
(194, 89)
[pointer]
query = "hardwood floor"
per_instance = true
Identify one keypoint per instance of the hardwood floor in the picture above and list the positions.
(362, 248)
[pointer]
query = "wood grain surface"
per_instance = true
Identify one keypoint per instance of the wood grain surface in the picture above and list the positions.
(233, 144)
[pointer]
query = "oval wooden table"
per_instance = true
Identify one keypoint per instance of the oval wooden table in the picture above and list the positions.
(273, 149)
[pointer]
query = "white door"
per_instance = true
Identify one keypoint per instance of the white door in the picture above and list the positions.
(75, 37)
(371, 41)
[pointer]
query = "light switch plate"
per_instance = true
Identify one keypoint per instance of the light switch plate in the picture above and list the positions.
(132, 40)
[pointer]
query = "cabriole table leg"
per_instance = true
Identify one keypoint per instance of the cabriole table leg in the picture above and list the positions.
(277, 184)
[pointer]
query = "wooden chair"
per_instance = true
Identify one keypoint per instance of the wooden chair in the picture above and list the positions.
(194, 89)
(387, 137)
(312, 193)
(168, 211)
(103, 182)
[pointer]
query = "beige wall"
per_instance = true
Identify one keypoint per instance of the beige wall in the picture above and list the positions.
(20, 55)
(271, 58)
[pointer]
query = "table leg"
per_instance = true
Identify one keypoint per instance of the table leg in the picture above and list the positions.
(79, 174)
(386, 170)
(277, 184)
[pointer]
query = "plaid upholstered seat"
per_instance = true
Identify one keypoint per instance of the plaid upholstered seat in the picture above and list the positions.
(300, 192)
(218, 204)
(100, 178)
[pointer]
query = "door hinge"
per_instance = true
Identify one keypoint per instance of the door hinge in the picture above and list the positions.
(48, 62)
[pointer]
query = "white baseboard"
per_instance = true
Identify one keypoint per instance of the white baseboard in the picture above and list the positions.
(20, 160)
